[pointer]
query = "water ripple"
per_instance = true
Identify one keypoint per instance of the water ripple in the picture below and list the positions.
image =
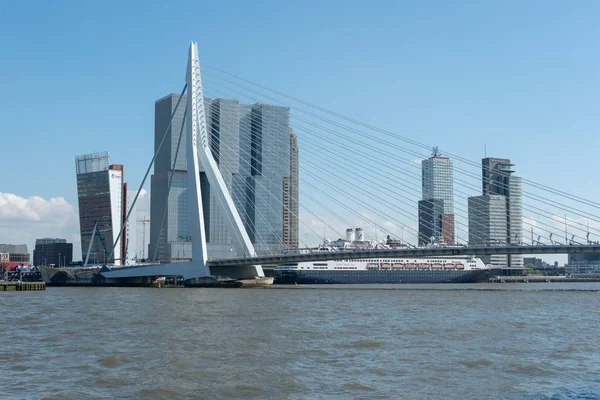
(492, 342)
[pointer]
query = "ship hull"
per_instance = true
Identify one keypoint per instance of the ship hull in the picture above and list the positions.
(384, 276)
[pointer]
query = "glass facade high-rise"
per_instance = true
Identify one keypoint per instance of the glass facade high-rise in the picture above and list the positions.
(269, 149)
(102, 199)
(487, 225)
(498, 181)
(169, 224)
(436, 209)
(496, 173)
(251, 145)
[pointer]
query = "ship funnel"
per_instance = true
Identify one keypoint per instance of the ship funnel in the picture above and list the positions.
(350, 234)
(360, 236)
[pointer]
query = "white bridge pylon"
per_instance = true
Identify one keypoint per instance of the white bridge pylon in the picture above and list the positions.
(196, 130)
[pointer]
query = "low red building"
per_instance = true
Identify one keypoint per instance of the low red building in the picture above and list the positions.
(11, 261)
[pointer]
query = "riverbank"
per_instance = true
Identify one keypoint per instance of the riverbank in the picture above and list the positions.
(540, 278)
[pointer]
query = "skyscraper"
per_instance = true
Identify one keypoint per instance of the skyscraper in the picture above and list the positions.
(251, 145)
(290, 198)
(487, 225)
(169, 225)
(268, 144)
(498, 180)
(102, 198)
(436, 209)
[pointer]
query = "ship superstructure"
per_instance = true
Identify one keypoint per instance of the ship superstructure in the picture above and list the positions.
(446, 269)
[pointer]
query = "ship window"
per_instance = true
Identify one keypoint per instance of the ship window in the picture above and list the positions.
(320, 264)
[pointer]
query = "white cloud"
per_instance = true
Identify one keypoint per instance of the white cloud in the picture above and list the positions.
(35, 208)
(23, 220)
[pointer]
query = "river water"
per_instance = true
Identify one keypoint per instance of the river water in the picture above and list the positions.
(521, 341)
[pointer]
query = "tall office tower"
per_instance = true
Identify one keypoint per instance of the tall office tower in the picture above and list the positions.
(250, 144)
(101, 195)
(223, 123)
(488, 225)
(498, 179)
(436, 209)
(169, 225)
(52, 251)
(264, 163)
(290, 198)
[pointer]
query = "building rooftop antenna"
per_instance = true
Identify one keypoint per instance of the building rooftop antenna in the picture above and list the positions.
(435, 151)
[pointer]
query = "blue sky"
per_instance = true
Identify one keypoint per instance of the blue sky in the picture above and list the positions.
(519, 76)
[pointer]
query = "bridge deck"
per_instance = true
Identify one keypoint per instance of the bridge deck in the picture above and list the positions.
(407, 253)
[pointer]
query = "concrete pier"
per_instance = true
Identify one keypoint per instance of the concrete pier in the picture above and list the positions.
(18, 286)
(257, 282)
(230, 283)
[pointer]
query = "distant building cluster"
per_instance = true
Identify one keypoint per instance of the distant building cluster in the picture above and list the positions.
(257, 154)
(583, 265)
(538, 263)
(494, 218)
(47, 252)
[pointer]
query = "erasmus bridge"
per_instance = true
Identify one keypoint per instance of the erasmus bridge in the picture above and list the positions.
(351, 174)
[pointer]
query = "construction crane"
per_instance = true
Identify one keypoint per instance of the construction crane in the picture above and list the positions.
(144, 220)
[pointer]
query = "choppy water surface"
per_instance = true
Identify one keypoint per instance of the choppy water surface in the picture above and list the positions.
(311, 342)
